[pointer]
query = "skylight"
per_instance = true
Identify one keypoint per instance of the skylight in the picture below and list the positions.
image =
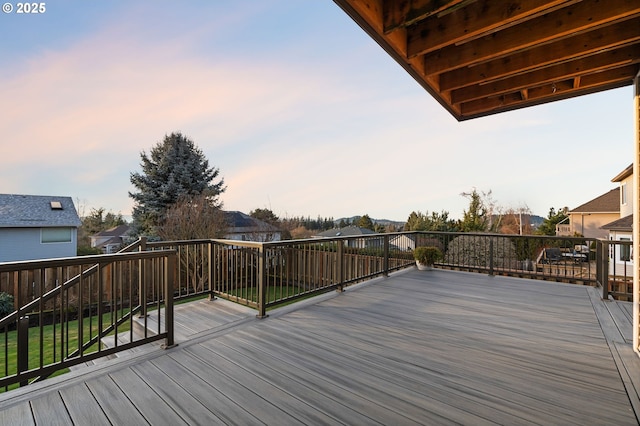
(56, 205)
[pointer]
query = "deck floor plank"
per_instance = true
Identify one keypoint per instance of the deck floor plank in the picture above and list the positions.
(114, 402)
(50, 410)
(187, 407)
(153, 408)
(440, 347)
(201, 387)
(82, 406)
(243, 396)
(18, 414)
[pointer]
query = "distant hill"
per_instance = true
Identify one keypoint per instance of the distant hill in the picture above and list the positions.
(536, 220)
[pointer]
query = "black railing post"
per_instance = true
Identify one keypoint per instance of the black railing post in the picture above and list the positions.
(211, 270)
(602, 273)
(386, 256)
(169, 282)
(491, 256)
(340, 264)
(142, 295)
(23, 347)
(262, 284)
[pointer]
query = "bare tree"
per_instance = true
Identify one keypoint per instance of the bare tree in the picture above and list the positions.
(193, 217)
(516, 221)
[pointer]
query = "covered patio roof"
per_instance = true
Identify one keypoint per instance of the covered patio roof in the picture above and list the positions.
(481, 57)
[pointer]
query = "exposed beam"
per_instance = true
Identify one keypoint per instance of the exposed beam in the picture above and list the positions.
(541, 95)
(568, 70)
(626, 32)
(402, 13)
(542, 30)
(479, 18)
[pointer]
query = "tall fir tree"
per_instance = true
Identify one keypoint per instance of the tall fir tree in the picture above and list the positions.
(475, 218)
(174, 168)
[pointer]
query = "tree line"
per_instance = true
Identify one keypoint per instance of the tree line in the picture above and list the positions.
(177, 196)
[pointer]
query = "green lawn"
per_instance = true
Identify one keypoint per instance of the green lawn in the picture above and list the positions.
(55, 342)
(54, 347)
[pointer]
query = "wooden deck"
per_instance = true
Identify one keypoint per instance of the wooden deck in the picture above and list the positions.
(437, 347)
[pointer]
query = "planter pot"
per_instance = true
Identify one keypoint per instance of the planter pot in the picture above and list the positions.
(423, 266)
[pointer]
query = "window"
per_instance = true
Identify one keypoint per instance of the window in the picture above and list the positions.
(55, 235)
(623, 193)
(625, 251)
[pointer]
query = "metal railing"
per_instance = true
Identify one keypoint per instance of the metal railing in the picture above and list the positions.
(66, 308)
(539, 257)
(264, 274)
(615, 266)
(70, 306)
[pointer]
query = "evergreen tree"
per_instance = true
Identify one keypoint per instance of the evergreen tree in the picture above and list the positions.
(474, 219)
(173, 169)
(265, 215)
(418, 221)
(365, 222)
(548, 226)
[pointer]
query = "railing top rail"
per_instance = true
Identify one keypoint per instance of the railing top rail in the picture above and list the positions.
(94, 260)
(322, 240)
(179, 242)
(80, 260)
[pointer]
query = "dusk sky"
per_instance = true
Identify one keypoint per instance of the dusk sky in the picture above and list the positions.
(301, 111)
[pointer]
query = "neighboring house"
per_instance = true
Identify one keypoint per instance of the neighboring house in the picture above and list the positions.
(403, 242)
(111, 240)
(621, 229)
(243, 227)
(587, 220)
(353, 231)
(37, 227)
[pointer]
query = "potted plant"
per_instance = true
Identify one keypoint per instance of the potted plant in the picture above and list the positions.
(426, 256)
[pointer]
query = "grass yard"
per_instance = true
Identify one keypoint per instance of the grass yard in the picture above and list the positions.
(53, 344)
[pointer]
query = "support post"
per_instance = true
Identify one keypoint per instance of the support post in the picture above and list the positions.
(602, 270)
(169, 282)
(386, 256)
(636, 217)
(23, 347)
(210, 257)
(142, 276)
(262, 284)
(490, 256)
(340, 264)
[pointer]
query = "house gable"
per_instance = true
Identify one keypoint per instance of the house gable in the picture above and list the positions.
(37, 227)
(242, 227)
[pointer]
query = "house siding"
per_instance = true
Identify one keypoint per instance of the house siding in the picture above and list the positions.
(626, 194)
(590, 224)
(25, 244)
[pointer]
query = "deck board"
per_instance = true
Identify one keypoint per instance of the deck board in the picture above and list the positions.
(83, 407)
(50, 410)
(114, 402)
(437, 347)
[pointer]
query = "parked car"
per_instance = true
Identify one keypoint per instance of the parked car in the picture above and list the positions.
(580, 253)
(554, 255)
(550, 255)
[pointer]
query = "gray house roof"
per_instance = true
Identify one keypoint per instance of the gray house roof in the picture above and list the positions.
(117, 231)
(241, 223)
(37, 211)
(606, 203)
(348, 231)
(622, 224)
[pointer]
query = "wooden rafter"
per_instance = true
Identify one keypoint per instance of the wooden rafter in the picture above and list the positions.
(479, 57)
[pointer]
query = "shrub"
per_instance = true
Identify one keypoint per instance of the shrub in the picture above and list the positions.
(427, 255)
(6, 304)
